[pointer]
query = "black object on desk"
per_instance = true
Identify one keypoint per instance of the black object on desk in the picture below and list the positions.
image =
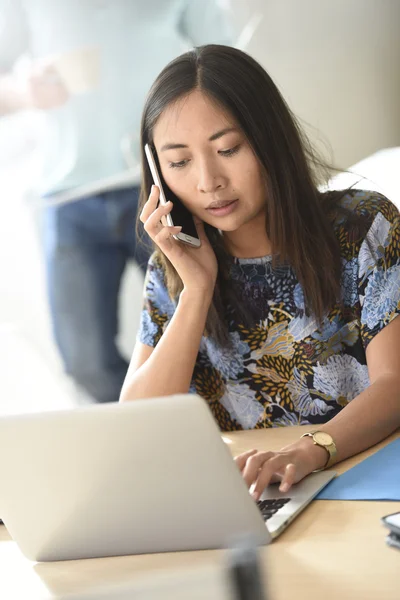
(244, 571)
(392, 522)
(393, 540)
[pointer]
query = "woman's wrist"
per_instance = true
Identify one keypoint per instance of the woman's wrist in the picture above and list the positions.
(318, 455)
(201, 297)
(315, 456)
(194, 308)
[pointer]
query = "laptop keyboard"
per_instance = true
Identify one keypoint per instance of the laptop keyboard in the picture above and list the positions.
(269, 507)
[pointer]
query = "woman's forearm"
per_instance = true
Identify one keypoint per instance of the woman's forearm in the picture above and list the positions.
(169, 369)
(368, 419)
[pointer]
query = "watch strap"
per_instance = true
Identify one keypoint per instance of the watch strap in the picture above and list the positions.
(330, 448)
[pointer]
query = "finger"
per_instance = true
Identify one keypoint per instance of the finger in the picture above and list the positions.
(288, 478)
(164, 239)
(241, 459)
(157, 218)
(253, 465)
(151, 204)
(200, 229)
(266, 473)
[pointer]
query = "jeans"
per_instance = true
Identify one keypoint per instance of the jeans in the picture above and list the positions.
(87, 246)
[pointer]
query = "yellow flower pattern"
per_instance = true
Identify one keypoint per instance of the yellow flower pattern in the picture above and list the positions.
(286, 369)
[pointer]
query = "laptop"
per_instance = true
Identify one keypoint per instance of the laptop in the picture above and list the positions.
(145, 476)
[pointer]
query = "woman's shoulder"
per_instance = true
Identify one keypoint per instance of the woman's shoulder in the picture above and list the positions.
(155, 280)
(358, 215)
(156, 292)
(155, 267)
(364, 206)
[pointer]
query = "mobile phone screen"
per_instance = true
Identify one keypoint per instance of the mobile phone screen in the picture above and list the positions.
(180, 214)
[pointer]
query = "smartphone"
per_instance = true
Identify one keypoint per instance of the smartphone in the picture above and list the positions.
(392, 522)
(179, 214)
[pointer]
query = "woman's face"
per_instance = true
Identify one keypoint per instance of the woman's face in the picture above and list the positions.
(207, 162)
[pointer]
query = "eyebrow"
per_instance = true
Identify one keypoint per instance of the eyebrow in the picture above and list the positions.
(212, 138)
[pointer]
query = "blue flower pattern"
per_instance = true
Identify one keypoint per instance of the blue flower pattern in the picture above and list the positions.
(229, 362)
(287, 369)
(350, 281)
(382, 296)
(148, 329)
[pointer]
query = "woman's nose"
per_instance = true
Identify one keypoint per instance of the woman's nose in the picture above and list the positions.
(210, 180)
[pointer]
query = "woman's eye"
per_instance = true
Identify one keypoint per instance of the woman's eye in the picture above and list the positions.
(230, 151)
(182, 163)
(178, 165)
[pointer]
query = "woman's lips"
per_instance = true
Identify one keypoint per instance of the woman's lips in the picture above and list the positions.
(225, 209)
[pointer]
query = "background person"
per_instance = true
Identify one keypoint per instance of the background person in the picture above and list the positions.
(92, 64)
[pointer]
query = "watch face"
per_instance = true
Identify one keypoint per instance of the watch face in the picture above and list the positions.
(323, 438)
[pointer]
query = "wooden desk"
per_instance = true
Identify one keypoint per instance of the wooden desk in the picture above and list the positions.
(333, 550)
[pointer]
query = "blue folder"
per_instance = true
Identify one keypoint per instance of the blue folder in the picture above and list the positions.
(375, 478)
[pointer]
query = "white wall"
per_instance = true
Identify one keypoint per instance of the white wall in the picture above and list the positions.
(337, 62)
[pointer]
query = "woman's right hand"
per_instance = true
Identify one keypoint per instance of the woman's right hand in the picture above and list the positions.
(197, 267)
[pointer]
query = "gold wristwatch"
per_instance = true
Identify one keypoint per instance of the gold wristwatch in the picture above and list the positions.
(323, 439)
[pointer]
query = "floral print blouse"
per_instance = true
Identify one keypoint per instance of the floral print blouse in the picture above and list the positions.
(287, 370)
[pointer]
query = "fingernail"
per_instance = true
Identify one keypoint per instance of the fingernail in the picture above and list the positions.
(255, 495)
(284, 487)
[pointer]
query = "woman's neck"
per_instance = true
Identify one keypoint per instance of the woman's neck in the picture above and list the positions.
(250, 241)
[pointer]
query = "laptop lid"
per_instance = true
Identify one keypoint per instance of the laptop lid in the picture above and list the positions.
(145, 476)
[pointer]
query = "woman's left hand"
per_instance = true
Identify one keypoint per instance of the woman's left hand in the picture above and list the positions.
(289, 465)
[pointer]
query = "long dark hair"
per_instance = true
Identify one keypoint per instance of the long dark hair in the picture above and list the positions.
(299, 216)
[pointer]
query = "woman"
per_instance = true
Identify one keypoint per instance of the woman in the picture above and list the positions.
(286, 313)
